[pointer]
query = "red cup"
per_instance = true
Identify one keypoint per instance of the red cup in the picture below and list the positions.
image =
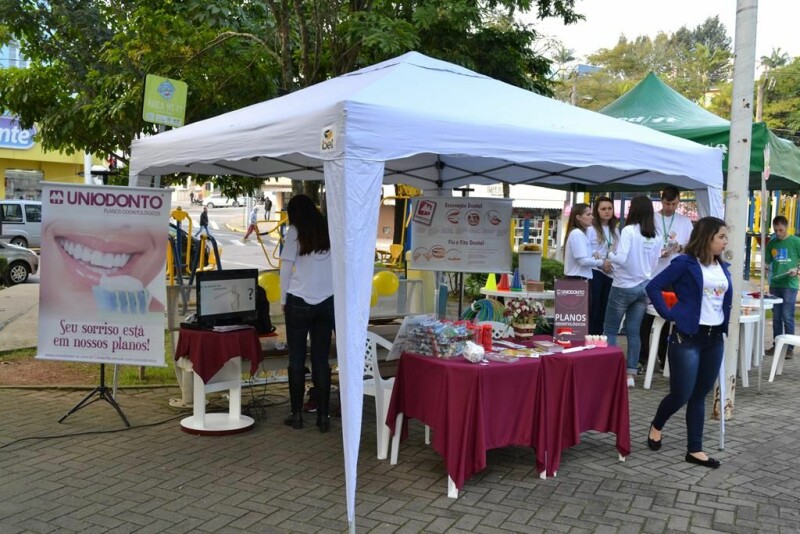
(486, 337)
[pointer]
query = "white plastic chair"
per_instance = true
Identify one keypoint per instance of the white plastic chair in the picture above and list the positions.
(379, 388)
(499, 330)
(781, 344)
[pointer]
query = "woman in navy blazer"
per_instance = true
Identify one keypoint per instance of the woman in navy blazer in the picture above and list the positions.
(702, 284)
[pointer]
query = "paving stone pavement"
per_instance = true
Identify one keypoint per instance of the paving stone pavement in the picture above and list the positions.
(89, 474)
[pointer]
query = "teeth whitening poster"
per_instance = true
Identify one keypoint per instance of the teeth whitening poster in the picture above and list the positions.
(102, 291)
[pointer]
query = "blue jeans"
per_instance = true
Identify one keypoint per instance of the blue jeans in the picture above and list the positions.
(783, 314)
(632, 303)
(693, 365)
(304, 321)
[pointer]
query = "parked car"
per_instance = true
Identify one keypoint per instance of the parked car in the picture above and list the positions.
(21, 222)
(21, 263)
(219, 201)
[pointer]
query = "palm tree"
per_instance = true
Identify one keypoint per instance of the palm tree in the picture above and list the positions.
(774, 60)
(562, 57)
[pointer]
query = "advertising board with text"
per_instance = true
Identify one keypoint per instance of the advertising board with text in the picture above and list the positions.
(164, 101)
(102, 287)
(468, 235)
(572, 309)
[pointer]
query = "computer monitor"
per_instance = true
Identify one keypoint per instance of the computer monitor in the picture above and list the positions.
(226, 297)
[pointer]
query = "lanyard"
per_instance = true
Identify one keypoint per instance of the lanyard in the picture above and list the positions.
(664, 225)
(607, 234)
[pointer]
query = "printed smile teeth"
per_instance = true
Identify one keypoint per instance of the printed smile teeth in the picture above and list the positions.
(94, 257)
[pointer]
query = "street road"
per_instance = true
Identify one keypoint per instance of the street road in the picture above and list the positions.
(236, 254)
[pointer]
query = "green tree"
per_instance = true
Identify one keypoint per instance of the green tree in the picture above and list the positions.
(89, 59)
(782, 107)
(693, 61)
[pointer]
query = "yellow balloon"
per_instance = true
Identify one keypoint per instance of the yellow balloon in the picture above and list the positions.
(274, 293)
(373, 300)
(386, 283)
(268, 280)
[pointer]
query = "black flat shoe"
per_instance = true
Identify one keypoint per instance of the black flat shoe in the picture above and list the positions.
(653, 444)
(711, 462)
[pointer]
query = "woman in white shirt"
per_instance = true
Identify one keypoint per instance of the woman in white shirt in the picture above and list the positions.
(703, 285)
(603, 237)
(636, 256)
(307, 299)
(578, 258)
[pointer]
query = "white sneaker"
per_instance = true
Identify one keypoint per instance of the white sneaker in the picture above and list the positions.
(631, 383)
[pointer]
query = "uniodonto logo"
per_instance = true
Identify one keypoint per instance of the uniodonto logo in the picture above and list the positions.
(56, 196)
(328, 138)
(166, 90)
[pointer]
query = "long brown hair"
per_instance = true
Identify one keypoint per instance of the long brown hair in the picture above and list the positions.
(312, 226)
(612, 222)
(572, 222)
(699, 244)
(641, 213)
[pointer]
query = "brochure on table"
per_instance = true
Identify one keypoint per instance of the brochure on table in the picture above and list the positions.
(468, 235)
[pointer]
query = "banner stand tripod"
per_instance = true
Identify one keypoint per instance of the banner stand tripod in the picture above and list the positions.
(102, 393)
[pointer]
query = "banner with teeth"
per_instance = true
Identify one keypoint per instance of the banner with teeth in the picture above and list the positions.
(102, 290)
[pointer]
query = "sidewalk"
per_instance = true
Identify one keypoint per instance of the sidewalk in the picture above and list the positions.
(154, 478)
(86, 476)
(19, 316)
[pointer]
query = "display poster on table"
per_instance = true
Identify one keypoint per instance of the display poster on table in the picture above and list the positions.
(102, 284)
(572, 309)
(467, 235)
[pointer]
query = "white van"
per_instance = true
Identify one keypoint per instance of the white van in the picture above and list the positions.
(21, 222)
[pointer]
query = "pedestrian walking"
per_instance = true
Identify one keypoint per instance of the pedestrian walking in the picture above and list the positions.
(253, 227)
(203, 222)
(702, 283)
(267, 207)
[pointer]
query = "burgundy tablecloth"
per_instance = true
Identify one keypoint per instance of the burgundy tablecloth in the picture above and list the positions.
(470, 408)
(582, 391)
(209, 350)
(544, 403)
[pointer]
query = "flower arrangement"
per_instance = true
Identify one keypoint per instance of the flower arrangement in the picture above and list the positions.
(525, 311)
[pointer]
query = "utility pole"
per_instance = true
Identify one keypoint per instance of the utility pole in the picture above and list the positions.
(738, 178)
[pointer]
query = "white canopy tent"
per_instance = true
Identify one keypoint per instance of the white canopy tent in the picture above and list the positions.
(427, 123)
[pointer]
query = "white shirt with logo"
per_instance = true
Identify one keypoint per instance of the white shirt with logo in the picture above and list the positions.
(671, 230)
(635, 258)
(600, 248)
(715, 284)
(578, 259)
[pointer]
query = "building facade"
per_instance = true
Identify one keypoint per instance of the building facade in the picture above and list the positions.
(23, 163)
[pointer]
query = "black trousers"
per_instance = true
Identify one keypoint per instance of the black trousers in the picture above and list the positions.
(599, 289)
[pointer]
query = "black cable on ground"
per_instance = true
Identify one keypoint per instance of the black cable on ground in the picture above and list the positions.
(93, 432)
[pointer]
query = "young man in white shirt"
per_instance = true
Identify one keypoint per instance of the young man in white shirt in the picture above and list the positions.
(672, 232)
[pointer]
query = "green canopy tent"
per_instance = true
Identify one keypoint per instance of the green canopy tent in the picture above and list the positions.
(654, 104)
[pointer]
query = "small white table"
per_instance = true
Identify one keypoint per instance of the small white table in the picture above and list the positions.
(229, 379)
(536, 295)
